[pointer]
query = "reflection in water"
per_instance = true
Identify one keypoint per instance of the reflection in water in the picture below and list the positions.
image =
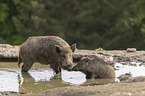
(99, 81)
(25, 83)
(30, 85)
(40, 77)
(40, 81)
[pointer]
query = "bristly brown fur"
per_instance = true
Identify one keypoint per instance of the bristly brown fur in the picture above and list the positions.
(94, 68)
(51, 50)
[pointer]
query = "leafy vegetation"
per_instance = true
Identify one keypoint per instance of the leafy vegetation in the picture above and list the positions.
(113, 24)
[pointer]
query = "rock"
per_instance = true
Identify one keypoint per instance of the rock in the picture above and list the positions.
(131, 49)
(135, 79)
(6, 46)
(125, 76)
(101, 52)
(8, 51)
(8, 93)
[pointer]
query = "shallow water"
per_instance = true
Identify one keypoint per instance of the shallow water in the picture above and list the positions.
(40, 77)
(135, 68)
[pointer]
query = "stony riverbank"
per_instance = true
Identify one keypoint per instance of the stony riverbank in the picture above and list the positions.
(9, 51)
(111, 56)
(111, 89)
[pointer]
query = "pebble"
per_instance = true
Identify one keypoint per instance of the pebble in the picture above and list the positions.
(131, 49)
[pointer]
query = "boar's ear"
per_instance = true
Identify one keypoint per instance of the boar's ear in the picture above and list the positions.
(86, 58)
(73, 47)
(58, 49)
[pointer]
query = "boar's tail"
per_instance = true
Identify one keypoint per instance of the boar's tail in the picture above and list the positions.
(19, 60)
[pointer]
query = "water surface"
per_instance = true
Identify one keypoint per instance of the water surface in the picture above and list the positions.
(40, 77)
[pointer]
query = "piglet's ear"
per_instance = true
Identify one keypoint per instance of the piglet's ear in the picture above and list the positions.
(86, 59)
(73, 47)
(58, 49)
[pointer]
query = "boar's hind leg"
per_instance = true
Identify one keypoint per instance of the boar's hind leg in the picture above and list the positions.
(27, 65)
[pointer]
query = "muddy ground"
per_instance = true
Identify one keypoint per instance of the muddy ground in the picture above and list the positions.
(111, 89)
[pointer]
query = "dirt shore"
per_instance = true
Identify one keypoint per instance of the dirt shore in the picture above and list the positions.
(12, 52)
(111, 89)
(9, 52)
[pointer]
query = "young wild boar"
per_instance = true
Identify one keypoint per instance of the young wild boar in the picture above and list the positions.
(47, 50)
(94, 68)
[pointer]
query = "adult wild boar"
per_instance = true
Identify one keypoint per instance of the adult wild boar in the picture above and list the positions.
(94, 68)
(46, 50)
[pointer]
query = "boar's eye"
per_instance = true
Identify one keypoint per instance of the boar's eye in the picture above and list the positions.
(58, 49)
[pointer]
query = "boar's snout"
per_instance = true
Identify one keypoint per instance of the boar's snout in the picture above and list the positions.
(74, 69)
(67, 67)
(67, 64)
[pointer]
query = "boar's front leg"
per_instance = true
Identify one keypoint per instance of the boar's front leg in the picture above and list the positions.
(90, 75)
(56, 68)
(27, 65)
